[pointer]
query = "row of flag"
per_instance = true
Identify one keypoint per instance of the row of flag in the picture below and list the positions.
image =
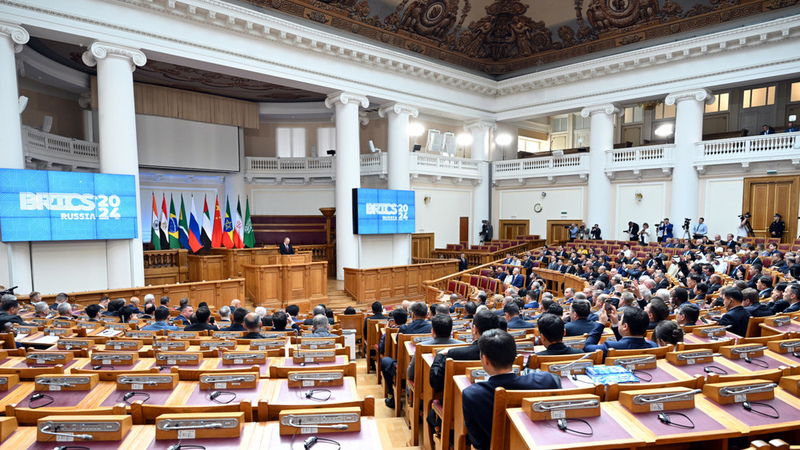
(194, 233)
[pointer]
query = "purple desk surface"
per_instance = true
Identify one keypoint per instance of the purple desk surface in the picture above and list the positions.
(787, 412)
(292, 396)
(546, 433)
(94, 445)
(758, 363)
(201, 397)
(366, 438)
(121, 368)
(222, 444)
(340, 359)
(702, 423)
(697, 369)
(24, 364)
(264, 368)
(3, 394)
(791, 326)
(60, 398)
(157, 397)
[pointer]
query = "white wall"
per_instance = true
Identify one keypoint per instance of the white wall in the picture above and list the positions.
(441, 215)
(4, 275)
(289, 201)
(376, 251)
(518, 204)
(651, 209)
(723, 204)
(69, 266)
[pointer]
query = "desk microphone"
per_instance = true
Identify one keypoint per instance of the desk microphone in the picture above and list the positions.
(338, 426)
(83, 437)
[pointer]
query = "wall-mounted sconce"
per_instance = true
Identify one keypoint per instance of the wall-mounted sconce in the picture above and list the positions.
(638, 196)
(427, 199)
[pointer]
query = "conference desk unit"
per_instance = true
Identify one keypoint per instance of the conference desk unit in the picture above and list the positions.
(287, 279)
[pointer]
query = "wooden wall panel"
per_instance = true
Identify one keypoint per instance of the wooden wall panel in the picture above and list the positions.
(386, 283)
(422, 245)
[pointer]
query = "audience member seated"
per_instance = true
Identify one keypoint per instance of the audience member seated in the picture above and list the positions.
(792, 295)
(579, 323)
(236, 303)
(630, 333)
(125, 313)
(778, 302)
(511, 311)
(182, 303)
(320, 327)
(161, 316)
(418, 325)
(737, 317)
(349, 311)
(202, 315)
(61, 297)
(442, 327)
(280, 321)
(225, 314)
(668, 333)
(498, 351)
(113, 307)
(41, 310)
(484, 321)
(252, 324)
(658, 311)
(185, 315)
(92, 311)
(753, 306)
(238, 320)
(134, 304)
(688, 314)
(551, 336)
(149, 311)
(469, 310)
(318, 310)
(65, 311)
(9, 310)
(164, 301)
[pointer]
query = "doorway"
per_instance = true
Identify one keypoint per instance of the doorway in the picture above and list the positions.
(463, 229)
(765, 196)
(510, 229)
(558, 231)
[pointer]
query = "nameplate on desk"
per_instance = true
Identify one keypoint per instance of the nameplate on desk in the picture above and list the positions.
(314, 356)
(66, 382)
(70, 343)
(742, 351)
(179, 358)
(147, 336)
(466, 337)
(691, 357)
(516, 333)
(785, 346)
(109, 332)
(83, 428)
(120, 344)
(562, 407)
(663, 399)
(237, 357)
(313, 379)
(566, 368)
(524, 346)
(740, 391)
(89, 325)
(227, 334)
(142, 382)
(39, 321)
(8, 381)
(212, 344)
(170, 345)
(319, 420)
(476, 374)
(266, 344)
(274, 335)
(418, 339)
(35, 358)
(115, 359)
(199, 425)
(778, 321)
(23, 330)
(637, 362)
(57, 331)
(230, 380)
(791, 383)
(311, 343)
(575, 343)
(183, 334)
(62, 323)
(710, 331)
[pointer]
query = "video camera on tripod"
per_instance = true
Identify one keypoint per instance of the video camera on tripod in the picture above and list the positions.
(8, 291)
(686, 223)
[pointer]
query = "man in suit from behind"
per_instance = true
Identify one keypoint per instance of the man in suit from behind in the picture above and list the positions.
(498, 351)
(286, 248)
(551, 335)
(441, 331)
(483, 321)
(419, 312)
(630, 332)
(579, 323)
(737, 318)
(511, 311)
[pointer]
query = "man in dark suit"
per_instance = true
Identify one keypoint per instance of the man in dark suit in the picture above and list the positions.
(202, 315)
(511, 311)
(319, 309)
(286, 248)
(419, 312)
(462, 262)
(10, 311)
(482, 322)
(238, 320)
(579, 323)
(551, 335)
(764, 286)
(498, 351)
(517, 280)
(252, 322)
(753, 306)
(630, 332)
(377, 313)
(737, 317)
(792, 295)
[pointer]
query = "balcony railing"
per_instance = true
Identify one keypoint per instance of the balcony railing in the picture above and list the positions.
(749, 149)
(374, 164)
(444, 166)
(640, 158)
(542, 167)
(60, 150)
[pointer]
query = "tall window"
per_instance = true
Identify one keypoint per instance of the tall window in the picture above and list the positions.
(753, 98)
(560, 124)
(632, 114)
(795, 94)
(290, 142)
(665, 111)
(720, 103)
(326, 140)
(530, 145)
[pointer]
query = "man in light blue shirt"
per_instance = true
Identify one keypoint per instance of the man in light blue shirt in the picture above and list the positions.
(161, 315)
(700, 229)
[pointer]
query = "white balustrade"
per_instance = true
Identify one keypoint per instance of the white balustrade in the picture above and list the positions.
(444, 166)
(549, 167)
(640, 158)
(374, 164)
(53, 149)
(749, 149)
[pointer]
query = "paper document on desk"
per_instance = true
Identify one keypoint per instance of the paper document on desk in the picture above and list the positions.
(46, 340)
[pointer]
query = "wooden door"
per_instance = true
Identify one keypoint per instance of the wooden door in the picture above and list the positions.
(557, 231)
(764, 197)
(632, 134)
(510, 229)
(463, 229)
(421, 245)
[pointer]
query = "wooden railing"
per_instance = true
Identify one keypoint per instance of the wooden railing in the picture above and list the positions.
(289, 279)
(396, 282)
(478, 258)
(216, 293)
(165, 266)
(321, 252)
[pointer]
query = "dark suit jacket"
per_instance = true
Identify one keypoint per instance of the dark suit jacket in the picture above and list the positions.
(420, 326)
(559, 349)
(253, 335)
(519, 322)
(478, 401)
(794, 307)
(518, 280)
(759, 310)
(374, 316)
(736, 320)
(468, 353)
(579, 327)
(201, 327)
(235, 327)
(462, 264)
(627, 342)
(779, 306)
(286, 251)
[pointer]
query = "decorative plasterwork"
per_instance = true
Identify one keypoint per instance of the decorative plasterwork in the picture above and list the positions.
(480, 124)
(607, 108)
(700, 95)
(345, 98)
(18, 35)
(102, 50)
(398, 108)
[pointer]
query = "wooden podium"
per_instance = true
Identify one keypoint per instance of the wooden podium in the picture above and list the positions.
(287, 279)
(206, 267)
(234, 260)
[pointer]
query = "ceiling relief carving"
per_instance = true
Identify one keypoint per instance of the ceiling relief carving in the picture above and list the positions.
(505, 36)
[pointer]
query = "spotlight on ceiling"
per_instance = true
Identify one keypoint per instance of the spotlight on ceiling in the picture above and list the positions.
(503, 139)
(664, 130)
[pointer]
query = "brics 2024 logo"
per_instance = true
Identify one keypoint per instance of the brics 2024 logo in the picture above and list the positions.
(388, 211)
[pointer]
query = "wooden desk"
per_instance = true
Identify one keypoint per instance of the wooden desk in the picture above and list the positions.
(610, 432)
(753, 424)
(711, 343)
(367, 438)
(283, 397)
(459, 428)
(791, 327)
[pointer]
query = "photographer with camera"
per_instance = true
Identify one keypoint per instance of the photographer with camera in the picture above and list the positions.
(744, 229)
(633, 231)
(486, 231)
(776, 227)
(596, 232)
(664, 230)
(700, 229)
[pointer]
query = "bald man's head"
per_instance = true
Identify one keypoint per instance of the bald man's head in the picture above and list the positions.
(252, 322)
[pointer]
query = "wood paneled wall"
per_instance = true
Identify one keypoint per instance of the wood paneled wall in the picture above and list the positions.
(394, 283)
(289, 279)
(166, 266)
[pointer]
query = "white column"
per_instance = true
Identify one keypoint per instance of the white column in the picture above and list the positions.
(397, 115)
(688, 131)
(483, 189)
(12, 156)
(348, 175)
(118, 147)
(601, 139)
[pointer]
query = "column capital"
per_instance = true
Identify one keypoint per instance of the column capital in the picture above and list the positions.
(18, 35)
(605, 108)
(479, 124)
(700, 95)
(398, 108)
(363, 118)
(102, 50)
(345, 98)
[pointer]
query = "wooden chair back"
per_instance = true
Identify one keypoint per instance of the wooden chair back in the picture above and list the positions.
(389, 345)
(267, 412)
(29, 373)
(753, 327)
(444, 408)
(768, 374)
(353, 322)
(660, 352)
(535, 361)
(143, 414)
(30, 416)
(194, 374)
(374, 329)
(337, 351)
(402, 362)
(763, 339)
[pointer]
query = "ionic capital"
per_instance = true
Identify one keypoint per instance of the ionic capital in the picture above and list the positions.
(102, 50)
(700, 95)
(18, 35)
(345, 98)
(611, 109)
(398, 108)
